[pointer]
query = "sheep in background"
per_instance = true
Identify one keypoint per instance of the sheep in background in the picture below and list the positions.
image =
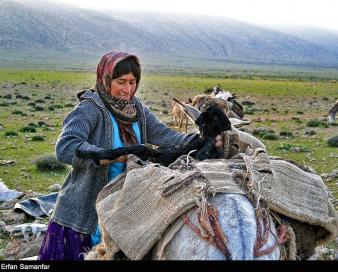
(199, 100)
(236, 108)
(332, 113)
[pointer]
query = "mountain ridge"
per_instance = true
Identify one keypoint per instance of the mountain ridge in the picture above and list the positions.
(84, 31)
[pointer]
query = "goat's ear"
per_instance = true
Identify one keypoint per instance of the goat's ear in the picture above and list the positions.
(219, 85)
(190, 100)
(200, 119)
(228, 124)
(208, 91)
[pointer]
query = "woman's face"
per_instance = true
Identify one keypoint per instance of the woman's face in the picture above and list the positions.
(123, 87)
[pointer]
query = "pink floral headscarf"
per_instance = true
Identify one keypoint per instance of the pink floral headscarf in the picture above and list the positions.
(124, 111)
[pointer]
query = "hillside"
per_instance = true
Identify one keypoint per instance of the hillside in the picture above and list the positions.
(81, 32)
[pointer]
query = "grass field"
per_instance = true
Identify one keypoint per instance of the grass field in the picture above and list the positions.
(42, 99)
(47, 96)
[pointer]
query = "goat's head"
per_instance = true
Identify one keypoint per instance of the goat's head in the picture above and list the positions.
(217, 89)
(208, 91)
(199, 100)
(214, 90)
(213, 121)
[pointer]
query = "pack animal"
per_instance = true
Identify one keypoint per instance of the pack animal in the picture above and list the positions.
(236, 213)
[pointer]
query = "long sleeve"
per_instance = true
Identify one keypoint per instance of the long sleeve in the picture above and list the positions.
(77, 129)
(161, 135)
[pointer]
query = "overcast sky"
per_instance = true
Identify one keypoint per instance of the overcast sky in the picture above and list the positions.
(322, 13)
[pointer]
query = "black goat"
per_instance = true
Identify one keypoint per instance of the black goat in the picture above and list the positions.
(211, 122)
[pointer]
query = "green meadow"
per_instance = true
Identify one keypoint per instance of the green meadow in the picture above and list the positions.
(42, 99)
(33, 104)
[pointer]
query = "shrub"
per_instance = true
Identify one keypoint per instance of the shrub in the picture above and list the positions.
(17, 112)
(300, 112)
(37, 138)
(249, 111)
(270, 136)
(51, 108)
(310, 132)
(31, 104)
(285, 146)
(333, 142)
(42, 123)
(48, 97)
(4, 104)
(25, 97)
(32, 125)
(38, 108)
(324, 125)
(57, 106)
(317, 123)
(7, 96)
(28, 129)
(69, 105)
(313, 123)
(261, 131)
(49, 163)
(286, 133)
(40, 101)
(11, 134)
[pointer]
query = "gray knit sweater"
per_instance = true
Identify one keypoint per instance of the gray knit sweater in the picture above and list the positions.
(89, 127)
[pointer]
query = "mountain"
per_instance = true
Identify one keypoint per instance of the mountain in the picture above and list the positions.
(325, 38)
(72, 30)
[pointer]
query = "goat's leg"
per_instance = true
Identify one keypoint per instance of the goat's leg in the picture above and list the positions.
(186, 125)
(175, 120)
(180, 122)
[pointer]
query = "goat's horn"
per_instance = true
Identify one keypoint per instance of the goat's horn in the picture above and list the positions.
(191, 111)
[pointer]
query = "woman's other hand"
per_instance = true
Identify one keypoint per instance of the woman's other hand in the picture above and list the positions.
(219, 141)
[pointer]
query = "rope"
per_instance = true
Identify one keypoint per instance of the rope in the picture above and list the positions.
(209, 228)
(187, 165)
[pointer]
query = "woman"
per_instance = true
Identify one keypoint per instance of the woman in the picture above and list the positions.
(108, 117)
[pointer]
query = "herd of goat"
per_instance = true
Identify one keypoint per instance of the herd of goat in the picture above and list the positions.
(224, 99)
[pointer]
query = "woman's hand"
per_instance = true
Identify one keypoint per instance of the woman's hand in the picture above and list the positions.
(218, 141)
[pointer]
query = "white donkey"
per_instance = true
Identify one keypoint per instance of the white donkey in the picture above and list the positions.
(237, 219)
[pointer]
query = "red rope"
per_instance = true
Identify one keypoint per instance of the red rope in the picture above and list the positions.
(282, 237)
(214, 236)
